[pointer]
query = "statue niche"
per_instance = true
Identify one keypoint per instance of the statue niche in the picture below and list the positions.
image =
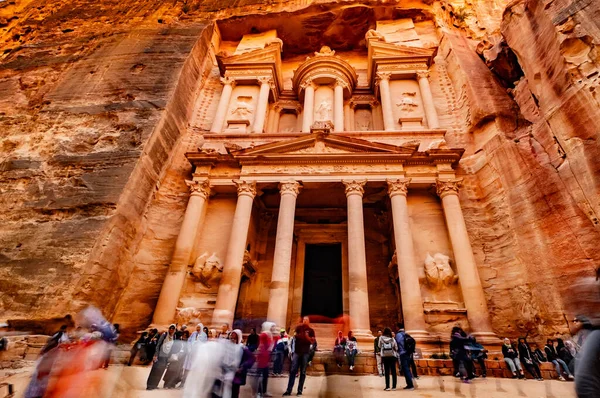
(323, 112)
(438, 272)
(208, 270)
(243, 108)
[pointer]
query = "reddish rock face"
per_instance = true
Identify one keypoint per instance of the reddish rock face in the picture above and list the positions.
(96, 99)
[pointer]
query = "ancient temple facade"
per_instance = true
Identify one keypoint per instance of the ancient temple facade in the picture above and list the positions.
(322, 185)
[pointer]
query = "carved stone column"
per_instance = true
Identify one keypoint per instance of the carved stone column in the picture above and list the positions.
(430, 112)
(219, 120)
(357, 260)
(309, 106)
(412, 302)
(383, 79)
(280, 278)
(274, 119)
(263, 103)
(338, 103)
(164, 313)
(232, 270)
(468, 276)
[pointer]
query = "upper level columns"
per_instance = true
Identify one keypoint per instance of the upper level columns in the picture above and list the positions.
(468, 276)
(232, 270)
(357, 260)
(383, 79)
(263, 103)
(219, 120)
(166, 306)
(425, 88)
(412, 302)
(309, 104)
(338, 106)
(280, 279)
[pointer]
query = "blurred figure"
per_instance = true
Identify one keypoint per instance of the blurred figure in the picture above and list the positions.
(236, 362)
(56, 339)
(511, 357)
(479, 355)
(151, 343)
(252, 340)
(206, 331)
(198, 337)
(339, 349)
(281, 351)
(388, 349)
(377, 352)
(582, 326)
(587, 366)
(205, 373)
(351, 349)
(140, 345)
(110, 334)
(528, 359)
(552, 355)
(304, 339)
(403, 357)
(174, 373)
(161, 358)
(224, 332)
(265, 348)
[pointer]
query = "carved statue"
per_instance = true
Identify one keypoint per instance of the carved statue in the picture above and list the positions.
(325, 50)
(438, 271)
(207, 270)
(243, 109)
(323, 111)
(373, 34)
(187, 316)
(408, 103)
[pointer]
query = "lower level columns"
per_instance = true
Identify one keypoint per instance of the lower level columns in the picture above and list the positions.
(280, 279)
(232, 270)
(468, 276)
(357, 261)
(412, 302)
(168, 299)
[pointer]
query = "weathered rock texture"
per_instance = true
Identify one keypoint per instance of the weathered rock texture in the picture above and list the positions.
(96, 98)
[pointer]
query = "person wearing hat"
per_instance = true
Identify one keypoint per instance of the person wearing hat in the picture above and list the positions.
(281, 351)
(161, 357)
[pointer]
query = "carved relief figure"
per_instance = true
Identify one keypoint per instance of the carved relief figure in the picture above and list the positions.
(408, 103)
(208, 270)
(187, 316)
(243, 107)
(438, 271)
(323, 111)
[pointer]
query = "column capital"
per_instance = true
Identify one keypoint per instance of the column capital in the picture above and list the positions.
(246, 188)
(227, 80)
(265, 80)
(383, 76)
(354, 187)
(341, 83)
(289, 188)
(423, 74)
(199, 187)
(307, 83)
(447, 187)
(398, 186)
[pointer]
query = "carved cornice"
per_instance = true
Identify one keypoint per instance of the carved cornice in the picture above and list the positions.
(289, 188)
(398, 187)
(354, 187)
(447, 187)
(247, 188)
(199, 187)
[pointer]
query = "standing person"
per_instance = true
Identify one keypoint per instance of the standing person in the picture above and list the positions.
(174, 372)
(57, 338)
(458, 343)
(587, 377)
(377, 351)
(339, 348)
(388, 350)
(528, 359)
(281, 351)
(252, 340)
(110, 334)
(236, 362)
(511, 357)
(197, 337)
(161, 358)
(151, 343)
(224, 332)
(139, 345)
(265, 347)
(404, 357)
(304, 337)
(410, 345)
(351, 349)
(479, 355)
(552, 355)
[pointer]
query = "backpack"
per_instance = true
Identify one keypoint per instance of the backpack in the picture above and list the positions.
(387, 348)
(409, 344)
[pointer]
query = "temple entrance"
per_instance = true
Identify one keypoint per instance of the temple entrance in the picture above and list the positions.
(322, 291)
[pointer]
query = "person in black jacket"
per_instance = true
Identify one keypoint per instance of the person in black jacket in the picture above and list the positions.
(528, 359)
(552, 356)
(458, 351)
(565, 355)
(538, 355)
(511, 357)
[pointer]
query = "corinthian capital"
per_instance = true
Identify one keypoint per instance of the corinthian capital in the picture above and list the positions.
(307, 83)
(398, 187)
(383, 76)
(423, 74)
(447, 187)
(265, 80)
(228, 80)
(289, 188)
(354, 187)
(247, 188)
(199, 187)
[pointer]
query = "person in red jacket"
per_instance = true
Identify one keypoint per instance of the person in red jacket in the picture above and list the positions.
(265, 347)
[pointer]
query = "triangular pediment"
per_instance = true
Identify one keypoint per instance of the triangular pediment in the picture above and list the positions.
(271, 53)
(321, 144)
(380, 49)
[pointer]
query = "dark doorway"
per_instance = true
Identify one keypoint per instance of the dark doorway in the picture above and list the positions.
(322, 291)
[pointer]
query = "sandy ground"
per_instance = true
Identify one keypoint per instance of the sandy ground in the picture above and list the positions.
(130, 382)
